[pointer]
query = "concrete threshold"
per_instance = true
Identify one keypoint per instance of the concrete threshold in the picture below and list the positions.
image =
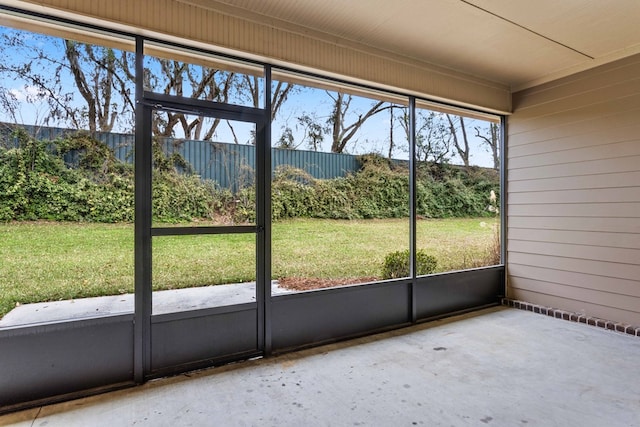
(169, 301)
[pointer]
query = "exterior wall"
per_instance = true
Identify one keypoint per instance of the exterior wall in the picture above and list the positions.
(214, 27)
(573, 195)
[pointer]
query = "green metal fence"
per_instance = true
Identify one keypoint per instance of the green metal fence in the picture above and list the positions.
(224, 163)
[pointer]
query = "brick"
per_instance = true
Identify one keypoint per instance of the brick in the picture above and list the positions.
(574, 317)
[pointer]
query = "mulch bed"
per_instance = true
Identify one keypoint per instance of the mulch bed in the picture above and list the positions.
(309, 283)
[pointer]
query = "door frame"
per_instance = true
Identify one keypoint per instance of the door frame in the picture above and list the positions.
(153, 353)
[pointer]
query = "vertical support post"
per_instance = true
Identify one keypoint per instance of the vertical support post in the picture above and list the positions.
(412, 206)
(263, 217)
(142, 227)
(503, 200)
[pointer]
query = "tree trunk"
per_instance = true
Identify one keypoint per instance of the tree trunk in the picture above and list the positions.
(462, 147)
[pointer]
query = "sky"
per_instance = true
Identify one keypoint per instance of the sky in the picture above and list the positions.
(374, 135)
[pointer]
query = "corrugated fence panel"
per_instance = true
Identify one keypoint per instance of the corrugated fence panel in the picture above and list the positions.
(317, 164)
(230, 165)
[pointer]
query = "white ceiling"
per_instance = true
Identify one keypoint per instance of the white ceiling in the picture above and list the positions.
(519, 43)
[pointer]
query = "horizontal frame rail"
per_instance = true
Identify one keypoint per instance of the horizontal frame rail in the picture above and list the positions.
(185, 231)
(201, 107)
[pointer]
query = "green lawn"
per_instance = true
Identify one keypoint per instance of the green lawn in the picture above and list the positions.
(44, 261)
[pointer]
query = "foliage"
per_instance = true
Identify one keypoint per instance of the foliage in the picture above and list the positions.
(36, 184)
(376, 191)
(293, 194)
(77, 178)
(447, 191)
(180, 198)
(91, 154)
(380, 189)
(396, 264)
(432, 135)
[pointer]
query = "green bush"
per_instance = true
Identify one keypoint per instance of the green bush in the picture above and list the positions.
(35, 183)
(380, 189)
(93, 155)
(396, 264)
(293, 194)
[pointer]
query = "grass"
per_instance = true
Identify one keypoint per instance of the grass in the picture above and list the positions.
(44, 261)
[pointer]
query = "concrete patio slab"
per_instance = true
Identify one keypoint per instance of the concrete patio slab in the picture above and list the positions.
(497, 367)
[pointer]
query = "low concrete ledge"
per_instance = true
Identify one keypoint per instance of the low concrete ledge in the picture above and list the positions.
(169, 301)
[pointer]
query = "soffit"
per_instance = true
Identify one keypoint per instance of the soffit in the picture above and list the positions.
(517, 43)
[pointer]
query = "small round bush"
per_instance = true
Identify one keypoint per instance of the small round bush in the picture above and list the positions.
(396, 264)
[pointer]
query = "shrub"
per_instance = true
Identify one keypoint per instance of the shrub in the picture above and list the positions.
(396, 264)
(36, 183)
(292, 193)
(89, 153)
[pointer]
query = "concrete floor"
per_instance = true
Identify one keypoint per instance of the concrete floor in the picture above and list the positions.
(498, 367)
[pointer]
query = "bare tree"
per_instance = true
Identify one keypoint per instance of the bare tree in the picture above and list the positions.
(212, 85)
(456, 123)
(94, 69)
(205, 83)
(343, 132)
(39, 87)
(249, 86)
(44, 63)
(279, 95)
(392, 119)
(491, 138)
